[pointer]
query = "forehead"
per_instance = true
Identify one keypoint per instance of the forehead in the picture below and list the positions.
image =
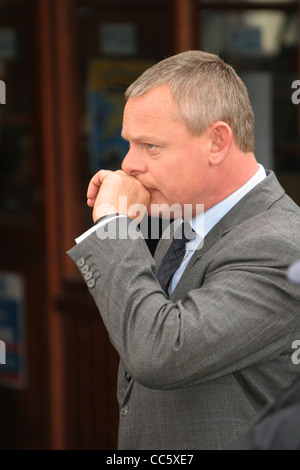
(156, 107)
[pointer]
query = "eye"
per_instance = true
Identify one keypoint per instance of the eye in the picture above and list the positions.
(150, 147)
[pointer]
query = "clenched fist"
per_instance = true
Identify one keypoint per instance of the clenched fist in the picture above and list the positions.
(115, 191)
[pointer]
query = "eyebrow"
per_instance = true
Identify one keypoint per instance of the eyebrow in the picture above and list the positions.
(143, 138)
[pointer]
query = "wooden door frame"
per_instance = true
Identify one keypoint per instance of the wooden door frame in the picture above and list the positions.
(57, 88)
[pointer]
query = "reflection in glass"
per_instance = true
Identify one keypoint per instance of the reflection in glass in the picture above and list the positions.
(249, 33)
(203, 2)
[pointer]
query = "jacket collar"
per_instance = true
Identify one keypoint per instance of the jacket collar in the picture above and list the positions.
(258, 200)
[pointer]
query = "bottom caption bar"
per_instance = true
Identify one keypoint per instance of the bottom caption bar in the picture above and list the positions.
(144, 458)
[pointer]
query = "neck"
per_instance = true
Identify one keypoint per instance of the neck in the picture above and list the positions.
(231, 175)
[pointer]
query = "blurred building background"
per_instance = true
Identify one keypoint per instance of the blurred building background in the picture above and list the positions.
(65, 65)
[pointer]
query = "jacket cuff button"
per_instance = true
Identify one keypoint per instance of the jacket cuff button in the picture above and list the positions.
(91, 283)
(80, 262)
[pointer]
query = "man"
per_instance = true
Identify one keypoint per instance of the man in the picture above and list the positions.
(200, 358)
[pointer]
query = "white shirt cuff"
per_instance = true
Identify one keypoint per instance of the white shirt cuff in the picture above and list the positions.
(95, 227)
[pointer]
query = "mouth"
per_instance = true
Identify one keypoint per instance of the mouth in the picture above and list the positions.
(150, 189)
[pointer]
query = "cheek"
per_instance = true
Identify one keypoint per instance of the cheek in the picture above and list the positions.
(174, 183)
(169, 180)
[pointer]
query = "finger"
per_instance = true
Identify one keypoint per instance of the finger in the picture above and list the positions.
(92, 190)
(95, 183)
(121, 172)
(91, 202)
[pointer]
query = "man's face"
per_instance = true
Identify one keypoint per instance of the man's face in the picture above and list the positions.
(163, 156)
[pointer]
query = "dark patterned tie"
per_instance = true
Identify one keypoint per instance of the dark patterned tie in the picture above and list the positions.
(174, 255)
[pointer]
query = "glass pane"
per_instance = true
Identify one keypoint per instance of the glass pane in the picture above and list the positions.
(116, 44)
(262, 45)
(15, 129)
(117, 41)
(238, 2)
(249, 33)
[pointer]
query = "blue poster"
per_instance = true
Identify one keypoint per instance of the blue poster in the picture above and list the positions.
(107, 82)
(12, 344)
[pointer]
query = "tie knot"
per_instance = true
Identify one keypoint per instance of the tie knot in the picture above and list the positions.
(175, 254)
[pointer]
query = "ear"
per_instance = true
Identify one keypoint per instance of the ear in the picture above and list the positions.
(221, 141)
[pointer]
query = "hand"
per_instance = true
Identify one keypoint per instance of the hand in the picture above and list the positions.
(115, 191)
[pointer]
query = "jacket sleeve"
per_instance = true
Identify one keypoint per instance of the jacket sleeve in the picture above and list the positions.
(238, 310)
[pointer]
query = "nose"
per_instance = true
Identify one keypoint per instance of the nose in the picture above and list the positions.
(133, 163)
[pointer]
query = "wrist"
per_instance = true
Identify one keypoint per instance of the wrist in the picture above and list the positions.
(103, 217)
(103, 210)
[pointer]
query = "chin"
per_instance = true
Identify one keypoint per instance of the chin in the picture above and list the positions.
(163, 210)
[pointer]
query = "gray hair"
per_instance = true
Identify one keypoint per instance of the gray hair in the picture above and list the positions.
(206, 90)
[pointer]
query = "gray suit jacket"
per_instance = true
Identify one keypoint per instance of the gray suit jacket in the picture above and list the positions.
(206, 361)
